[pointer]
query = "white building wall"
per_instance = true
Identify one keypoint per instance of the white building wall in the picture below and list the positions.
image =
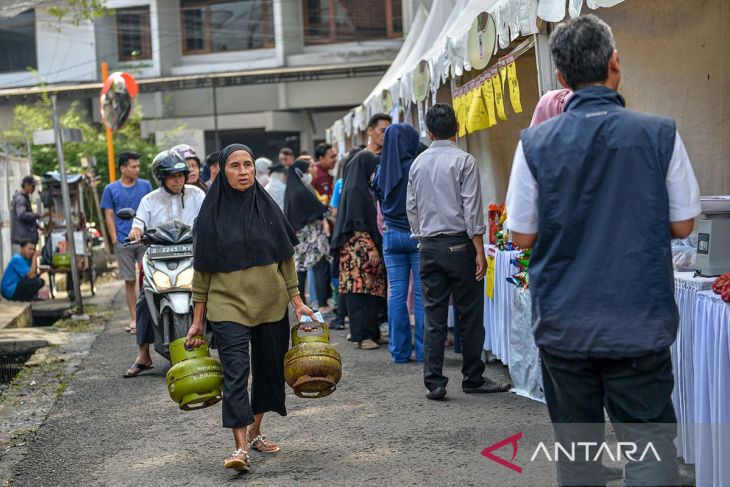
(64, 52)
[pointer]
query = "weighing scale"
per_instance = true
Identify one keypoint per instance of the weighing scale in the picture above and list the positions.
(713, 237)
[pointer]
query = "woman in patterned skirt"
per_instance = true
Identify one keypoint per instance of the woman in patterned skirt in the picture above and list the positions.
(358, 241)
(306, 215)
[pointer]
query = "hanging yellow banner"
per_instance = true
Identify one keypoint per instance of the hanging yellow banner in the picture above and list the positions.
(488, 97)
(503, 74)
(490, 277)
(499, 97)
(460, 108)
(479, 118)
(468, 97)
(514, 87)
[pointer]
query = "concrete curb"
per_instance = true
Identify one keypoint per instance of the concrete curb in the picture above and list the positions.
(15, 315)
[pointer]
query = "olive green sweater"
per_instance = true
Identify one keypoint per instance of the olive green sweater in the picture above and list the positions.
(251, 296)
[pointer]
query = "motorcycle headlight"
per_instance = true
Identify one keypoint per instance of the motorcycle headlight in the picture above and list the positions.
(162, 280)
(185, 279)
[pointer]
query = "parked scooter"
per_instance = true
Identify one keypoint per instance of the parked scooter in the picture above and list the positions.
(168, 279)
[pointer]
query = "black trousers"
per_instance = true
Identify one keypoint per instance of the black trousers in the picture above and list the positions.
(27, 289)
(448, 266)
(269, 344)
(322, 284)
(145, 331)
(636, 394)
(363, 311)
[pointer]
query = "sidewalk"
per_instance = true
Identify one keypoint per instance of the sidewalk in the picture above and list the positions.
(17, 333)
(14, 314)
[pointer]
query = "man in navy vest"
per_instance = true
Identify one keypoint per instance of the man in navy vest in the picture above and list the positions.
(598, 192)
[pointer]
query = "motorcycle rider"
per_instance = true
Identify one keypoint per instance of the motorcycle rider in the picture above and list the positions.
(173, 200)
(188, 153)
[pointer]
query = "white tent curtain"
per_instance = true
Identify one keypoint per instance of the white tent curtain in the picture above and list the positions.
(442, 43)
(393, 73)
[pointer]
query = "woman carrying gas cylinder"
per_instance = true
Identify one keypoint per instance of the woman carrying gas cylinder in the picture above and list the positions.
(244, 280)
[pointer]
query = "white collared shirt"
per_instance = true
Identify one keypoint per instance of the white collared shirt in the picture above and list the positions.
(160, 207)
(682, 187)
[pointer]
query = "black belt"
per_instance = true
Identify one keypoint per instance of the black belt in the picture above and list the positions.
(442, 237)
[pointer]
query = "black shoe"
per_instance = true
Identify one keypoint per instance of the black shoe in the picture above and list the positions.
(337, 326)
(437, 394)
(488, 387)
(613, 473)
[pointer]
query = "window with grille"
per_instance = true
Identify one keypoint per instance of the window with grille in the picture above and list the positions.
(225, 25)
(331, 21)
(17, 43)
(133, 33)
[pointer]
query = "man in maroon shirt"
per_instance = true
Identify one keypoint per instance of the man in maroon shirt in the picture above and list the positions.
(326, 157)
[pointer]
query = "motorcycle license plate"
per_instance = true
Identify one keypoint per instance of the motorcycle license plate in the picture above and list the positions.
(171, 251)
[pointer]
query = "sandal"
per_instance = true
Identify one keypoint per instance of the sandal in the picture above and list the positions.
(368, 344)
(263, 445)
(137, 369)
(238, 461)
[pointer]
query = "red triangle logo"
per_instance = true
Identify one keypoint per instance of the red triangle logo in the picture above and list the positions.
(512, 440)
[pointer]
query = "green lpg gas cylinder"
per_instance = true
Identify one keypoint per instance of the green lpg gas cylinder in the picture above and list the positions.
(312, 367)
(195, 380)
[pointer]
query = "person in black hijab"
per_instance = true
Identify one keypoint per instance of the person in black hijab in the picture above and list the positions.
(357, 239)
(243, 283)
(306, 215)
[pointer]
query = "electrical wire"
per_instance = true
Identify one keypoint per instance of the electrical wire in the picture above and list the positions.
(176, 35)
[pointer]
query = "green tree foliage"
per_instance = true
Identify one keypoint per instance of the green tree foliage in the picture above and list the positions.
(31, 117)
(37, 116)
(76, 11)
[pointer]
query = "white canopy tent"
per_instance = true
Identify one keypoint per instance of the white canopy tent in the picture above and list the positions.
(392, 75)
(443, 44)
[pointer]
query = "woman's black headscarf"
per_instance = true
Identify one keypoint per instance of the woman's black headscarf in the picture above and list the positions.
(236, 230)
(301, 206)
(342, 168)
(357, 211)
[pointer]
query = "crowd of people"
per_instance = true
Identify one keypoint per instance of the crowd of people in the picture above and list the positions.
(393, 231)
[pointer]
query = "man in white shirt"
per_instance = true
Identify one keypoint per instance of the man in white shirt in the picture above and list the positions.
(173, 200)
(597, 192)
(276, 186)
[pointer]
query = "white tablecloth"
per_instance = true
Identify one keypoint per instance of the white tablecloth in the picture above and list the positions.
(686, 288)
(498, 310)
(712, 390)
(508, 328)
(525, 369)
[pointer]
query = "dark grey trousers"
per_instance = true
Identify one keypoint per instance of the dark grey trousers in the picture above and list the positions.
(269, 343)
(322, 283)
(448, 265)
(27, 289)
(637, 395)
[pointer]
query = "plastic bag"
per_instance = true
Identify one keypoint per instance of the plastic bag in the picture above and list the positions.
(307, 319)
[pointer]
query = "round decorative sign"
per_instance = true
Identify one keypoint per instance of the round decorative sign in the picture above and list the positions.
(421, 81)
(481, 40)
(386, 101)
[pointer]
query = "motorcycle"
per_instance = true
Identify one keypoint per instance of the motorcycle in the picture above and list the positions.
(168, 279)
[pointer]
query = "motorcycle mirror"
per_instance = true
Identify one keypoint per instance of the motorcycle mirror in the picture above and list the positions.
(126, 214)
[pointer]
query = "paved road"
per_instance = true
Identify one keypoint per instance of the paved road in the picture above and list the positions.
(376, 428)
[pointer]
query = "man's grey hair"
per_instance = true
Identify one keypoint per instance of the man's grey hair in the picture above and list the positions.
(582, 48)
